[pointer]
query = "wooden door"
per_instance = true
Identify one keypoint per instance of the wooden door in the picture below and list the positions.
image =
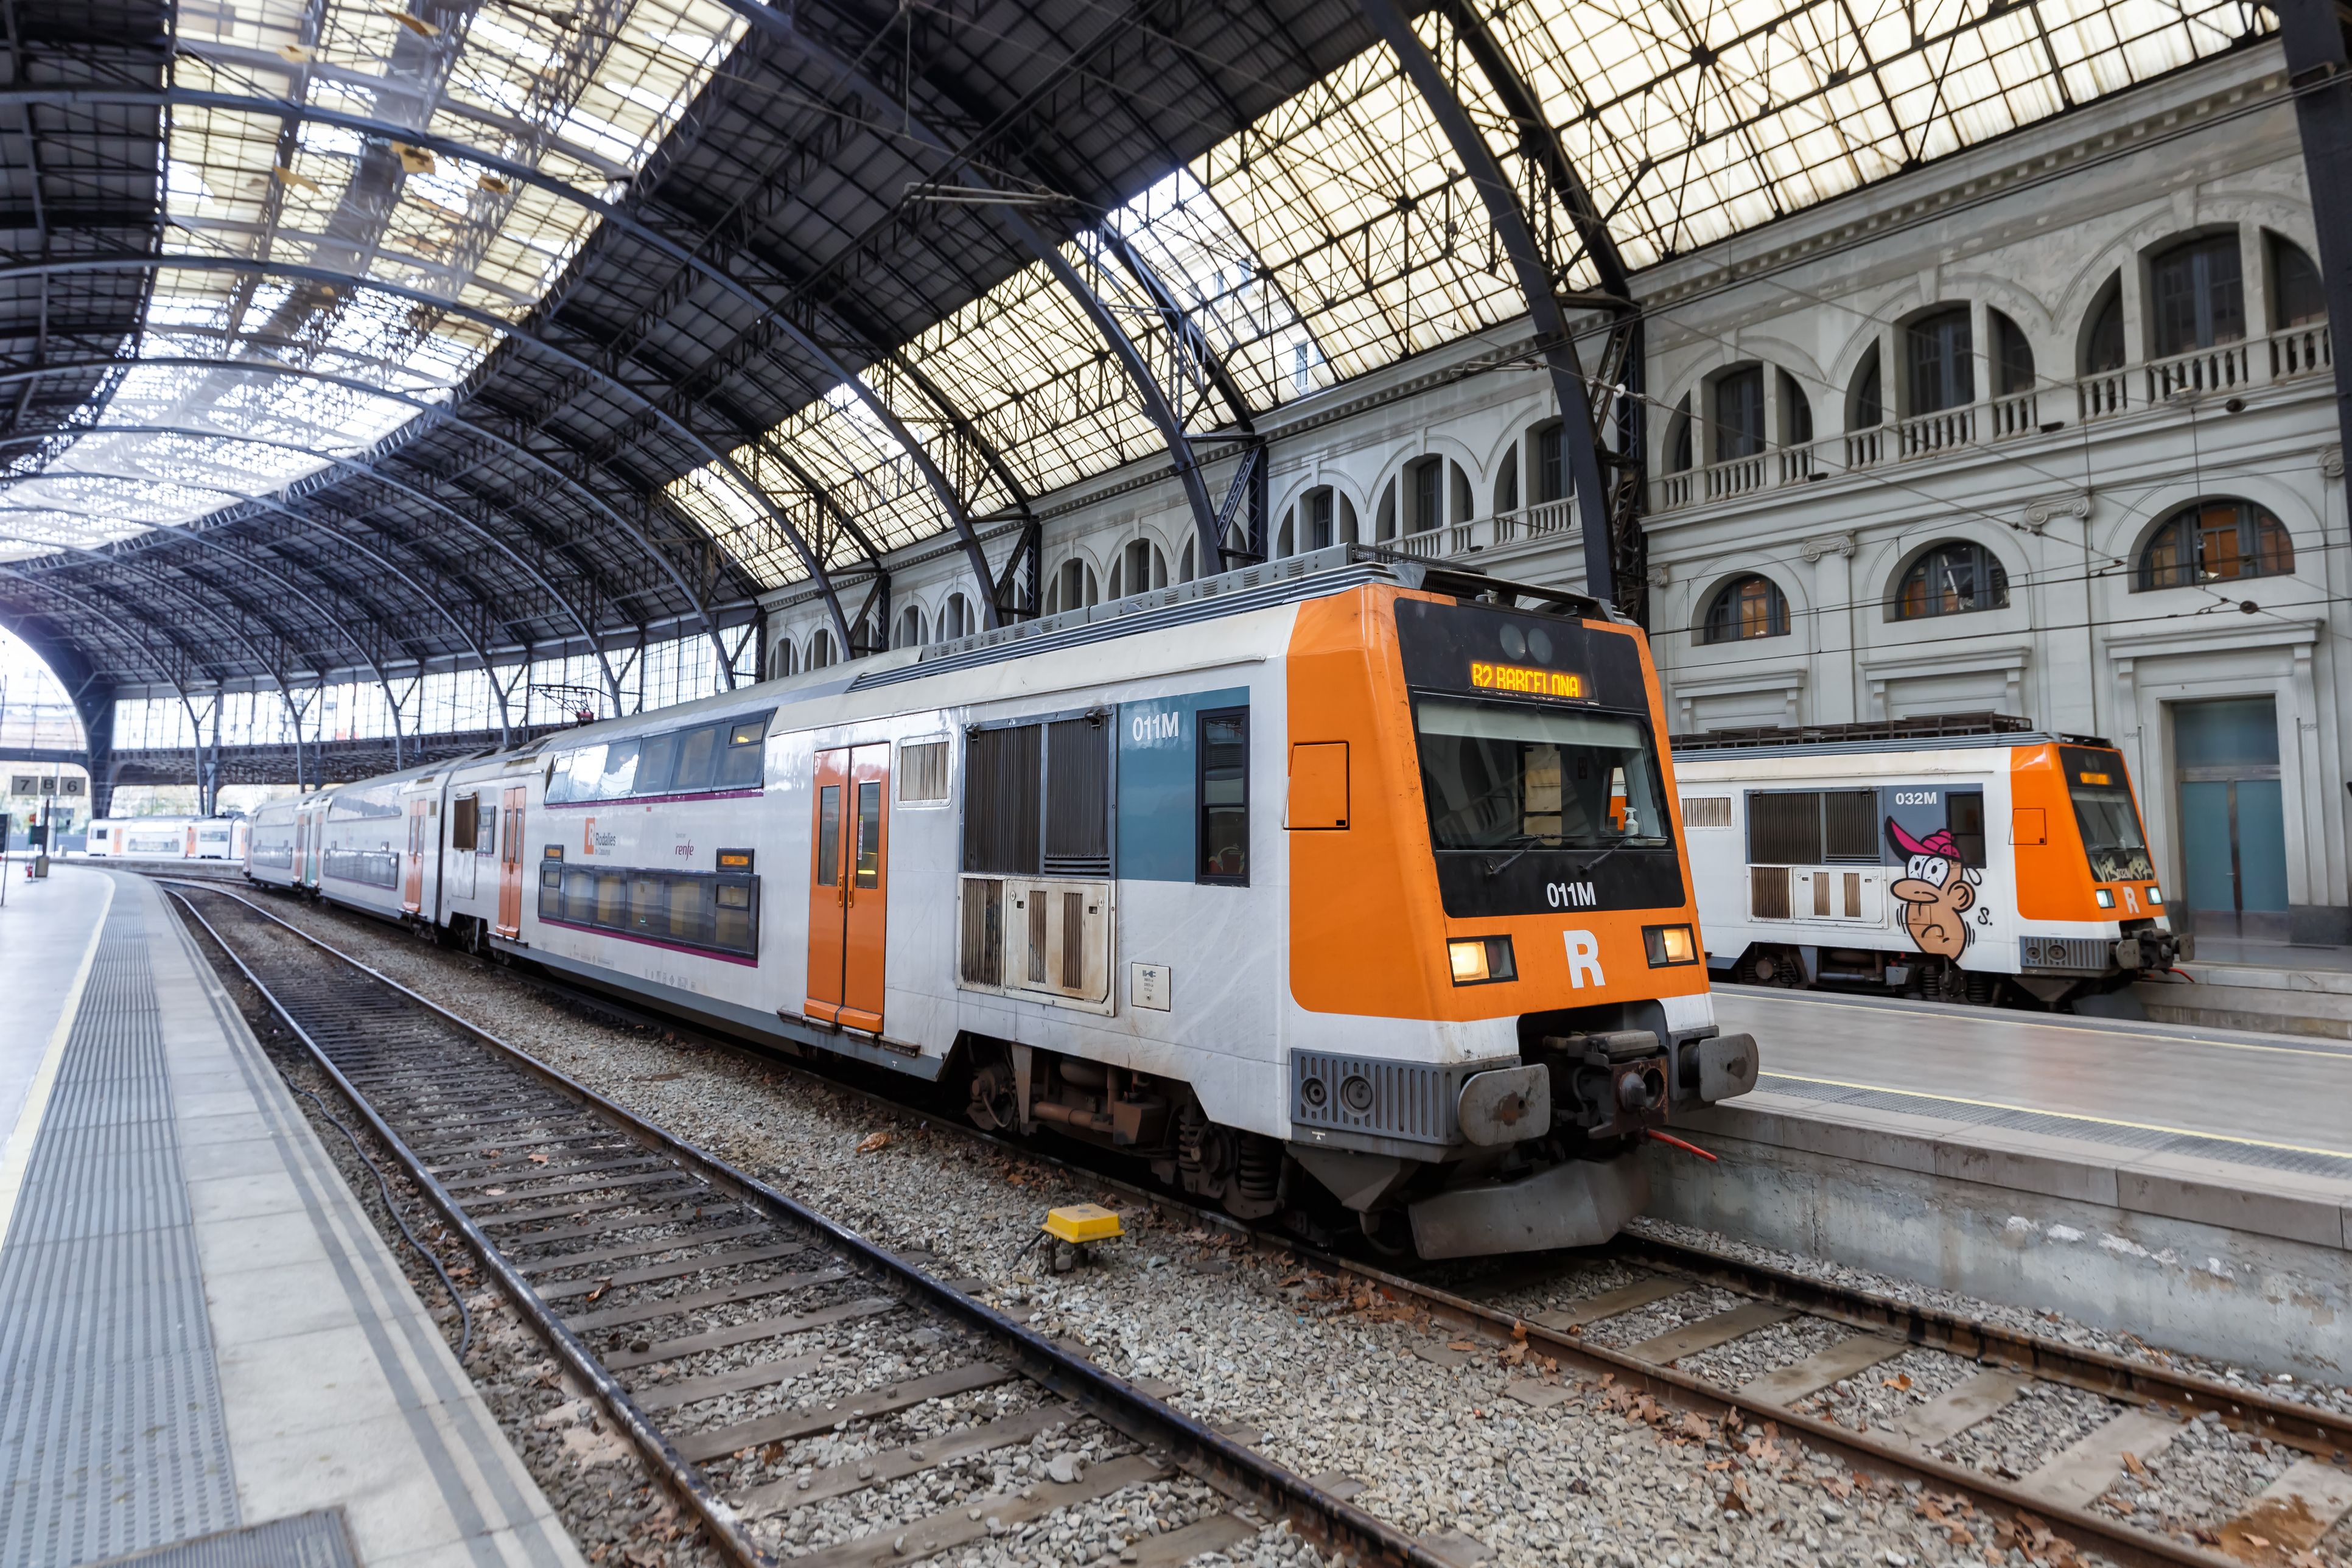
(848, 886)
(510, 866)
(411, 885)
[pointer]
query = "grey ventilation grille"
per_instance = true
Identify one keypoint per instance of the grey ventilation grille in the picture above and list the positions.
(1417, 1102)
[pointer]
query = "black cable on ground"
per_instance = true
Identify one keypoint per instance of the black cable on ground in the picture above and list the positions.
(465, 1318)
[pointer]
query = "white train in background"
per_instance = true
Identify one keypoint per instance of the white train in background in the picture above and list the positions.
(1328, 887)
(1970, 859)
(169, 837)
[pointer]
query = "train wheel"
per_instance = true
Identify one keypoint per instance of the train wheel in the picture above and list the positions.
(1389, 1233)
(993, 1104)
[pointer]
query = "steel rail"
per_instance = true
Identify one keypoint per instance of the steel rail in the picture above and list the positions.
(2314, 1429)
(1234, 1468)
(2319, 1432)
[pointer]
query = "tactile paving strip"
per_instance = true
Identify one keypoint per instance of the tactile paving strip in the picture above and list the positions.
(111, 1433)
(306, 1540)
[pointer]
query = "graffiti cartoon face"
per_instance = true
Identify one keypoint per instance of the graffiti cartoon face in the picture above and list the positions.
(1937, 891)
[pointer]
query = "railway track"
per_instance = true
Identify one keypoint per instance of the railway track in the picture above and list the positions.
(723, 1327)
(2141, 1409)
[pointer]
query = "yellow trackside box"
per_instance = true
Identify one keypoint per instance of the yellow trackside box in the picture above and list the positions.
(1082, 1222)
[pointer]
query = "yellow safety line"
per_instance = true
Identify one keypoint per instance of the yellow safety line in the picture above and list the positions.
(2064, 1115)
(17, 1158)
(2039, 1021)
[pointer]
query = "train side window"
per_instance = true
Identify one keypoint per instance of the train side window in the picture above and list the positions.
(1225, 798)
(486, 838)
(657, 765)
(697, 753)
(1964, 814)
(828, 836)
(869, 832)
(747, 751)
(464, 821)
(620, 776)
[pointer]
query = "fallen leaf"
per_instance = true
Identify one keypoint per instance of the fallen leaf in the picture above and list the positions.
(1901, 1381)
(873, 1143)
(1513, 1354)
(2259, 1542)
(539, 1159)
(1518, 1329)
(494, 1191)
(2131, 1463)
(1460, 1345)
(601, 1286)
(1735, 1497)
(416, 24)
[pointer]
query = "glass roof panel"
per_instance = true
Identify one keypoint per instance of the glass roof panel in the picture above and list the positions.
(583, 94)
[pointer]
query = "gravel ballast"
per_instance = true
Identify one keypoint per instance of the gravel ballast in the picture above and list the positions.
(1329, 1377)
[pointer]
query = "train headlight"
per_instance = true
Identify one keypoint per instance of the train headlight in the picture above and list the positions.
(1479, 959)
(1670, 945)
(2106, 896)
(2155, 896)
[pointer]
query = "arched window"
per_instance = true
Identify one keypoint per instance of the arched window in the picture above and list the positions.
(787, 660)
(956, 619)
(1940, 361)
(1678, 439)
(2198, 295)
(1184, 571)
(2296, 296)
(1866, 403)
(1548, 469)
(1796, 412)
(1738, 423)
(1073, 587)
(1384, 522)
(1141, 568)
(1951, 579)
(1426, 494)
(2215, 540)
(821, 649)
(2103, 339)
(1315, 520)
(1747, 608)
(2012, 357)
(1506, 483)
(1285, 539)
(910, 630)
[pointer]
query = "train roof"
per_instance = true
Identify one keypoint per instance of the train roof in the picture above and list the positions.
(1949, 731)
(1313, 575)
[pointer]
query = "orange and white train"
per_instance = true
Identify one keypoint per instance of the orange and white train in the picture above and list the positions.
(1340, 886)
(1971, 859)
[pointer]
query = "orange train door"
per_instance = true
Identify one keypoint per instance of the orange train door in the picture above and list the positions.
(412, 886)
(510, 866)
(848, 884)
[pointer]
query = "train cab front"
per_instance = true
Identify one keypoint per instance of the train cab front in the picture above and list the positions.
(2091, 913)
(1498, 960)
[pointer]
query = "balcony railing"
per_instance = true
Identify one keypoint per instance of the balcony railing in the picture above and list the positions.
(1485, 533)
(2227, 368)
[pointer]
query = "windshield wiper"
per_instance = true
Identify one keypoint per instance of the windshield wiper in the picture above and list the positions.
(1526, 842)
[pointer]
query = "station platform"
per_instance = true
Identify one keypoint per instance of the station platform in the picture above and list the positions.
(2257, 986)
(202, 1338)
(2165, 1178)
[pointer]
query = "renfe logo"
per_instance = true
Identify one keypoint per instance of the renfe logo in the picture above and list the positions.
(588, 836)
(1149, 729)
(1584, 958)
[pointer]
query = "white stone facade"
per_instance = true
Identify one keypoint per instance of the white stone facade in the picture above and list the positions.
(2061, 480)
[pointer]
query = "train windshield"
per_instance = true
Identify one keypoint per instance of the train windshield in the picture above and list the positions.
(2110, 820)
(1508, 777)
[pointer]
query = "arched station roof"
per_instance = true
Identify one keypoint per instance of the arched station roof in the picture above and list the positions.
(459, 327)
